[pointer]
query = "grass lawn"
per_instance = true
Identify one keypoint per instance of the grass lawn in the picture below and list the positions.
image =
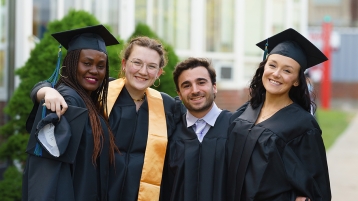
(333, 123)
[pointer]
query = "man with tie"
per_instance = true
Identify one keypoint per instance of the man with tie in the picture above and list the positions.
(196, 169)
(196, 151)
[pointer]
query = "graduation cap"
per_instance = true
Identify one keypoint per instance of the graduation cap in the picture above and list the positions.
(92, 37)
(292, 44)
(59, 139)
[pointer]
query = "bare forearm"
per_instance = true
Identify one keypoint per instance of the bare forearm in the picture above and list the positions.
(53, 99)
(35, 96)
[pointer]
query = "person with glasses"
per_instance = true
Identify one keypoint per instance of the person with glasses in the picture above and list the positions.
(140, 117)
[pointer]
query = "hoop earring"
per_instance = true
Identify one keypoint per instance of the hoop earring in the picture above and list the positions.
(157, 84)
(61, 71)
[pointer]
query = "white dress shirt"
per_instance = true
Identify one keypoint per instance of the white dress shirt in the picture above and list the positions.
(209, 120)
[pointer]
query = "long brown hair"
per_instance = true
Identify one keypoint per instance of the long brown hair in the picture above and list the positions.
(96, 103)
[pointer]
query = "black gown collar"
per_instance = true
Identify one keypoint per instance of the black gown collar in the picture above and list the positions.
(251, 114)
(126, 100)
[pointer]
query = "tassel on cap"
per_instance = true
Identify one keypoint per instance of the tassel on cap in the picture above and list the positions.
(265, 52)
(53, 80)
(54, 77)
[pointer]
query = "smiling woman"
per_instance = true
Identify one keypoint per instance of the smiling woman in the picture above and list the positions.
(142, 119)
(138, 78)
(275, 147)
(91, 69)
(280, 74)
(83, 84)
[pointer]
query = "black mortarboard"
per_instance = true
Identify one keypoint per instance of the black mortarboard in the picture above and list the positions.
(67, 133)
(292, 44)
(92, 37)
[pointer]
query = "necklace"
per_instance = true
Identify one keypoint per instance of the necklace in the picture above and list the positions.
(272, 113)
(140, 98)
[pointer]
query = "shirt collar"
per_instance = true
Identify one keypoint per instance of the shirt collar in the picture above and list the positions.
(209, 118)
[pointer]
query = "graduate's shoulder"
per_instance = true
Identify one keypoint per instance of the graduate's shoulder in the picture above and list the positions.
(173, 106)
(226, 115)
(70, 95)
(172, 102)
(295, 122)
(300, 117)
(167, 98)
(239, 111)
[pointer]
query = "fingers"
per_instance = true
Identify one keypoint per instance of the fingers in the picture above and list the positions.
(55, 102)
(299, 198)
(63, 108)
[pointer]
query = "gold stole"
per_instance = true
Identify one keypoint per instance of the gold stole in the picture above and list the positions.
(151, 178)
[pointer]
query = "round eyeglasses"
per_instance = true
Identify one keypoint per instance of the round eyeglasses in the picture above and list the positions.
(138, 64)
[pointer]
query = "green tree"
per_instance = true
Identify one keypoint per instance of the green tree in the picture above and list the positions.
(10, 187)
(166, 79)
(39, 66)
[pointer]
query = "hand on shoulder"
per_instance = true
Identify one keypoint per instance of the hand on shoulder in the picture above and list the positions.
(54, 101)
(302, 199)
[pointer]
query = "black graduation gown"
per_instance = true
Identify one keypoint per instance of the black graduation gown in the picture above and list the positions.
(131, 132)
(199, 169)
(277, 159)
(46, 179)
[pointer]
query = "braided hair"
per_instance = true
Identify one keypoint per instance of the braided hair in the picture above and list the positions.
(96, 103)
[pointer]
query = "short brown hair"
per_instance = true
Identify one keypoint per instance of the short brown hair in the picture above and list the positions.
(191, 63)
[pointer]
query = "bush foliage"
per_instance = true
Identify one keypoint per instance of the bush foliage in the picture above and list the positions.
(10, 187)
(39, 66)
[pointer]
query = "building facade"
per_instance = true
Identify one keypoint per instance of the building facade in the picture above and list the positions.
(225, 31)
(344, 13)
(344, 72)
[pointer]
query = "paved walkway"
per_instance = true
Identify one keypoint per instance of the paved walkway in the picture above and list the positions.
(343, 164)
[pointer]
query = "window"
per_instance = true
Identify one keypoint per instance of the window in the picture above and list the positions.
(326, 2)
(41, 17)
(140, 11)
(171, 21)
(226, 72)
(220, 25)
(224, 69)
(254, 27)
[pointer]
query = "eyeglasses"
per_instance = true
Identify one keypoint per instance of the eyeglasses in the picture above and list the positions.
(138, 64)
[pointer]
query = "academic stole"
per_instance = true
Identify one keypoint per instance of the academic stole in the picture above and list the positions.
(151, 178)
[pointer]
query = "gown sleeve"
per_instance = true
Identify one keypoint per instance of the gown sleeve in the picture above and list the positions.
(305, 162)
(33, 94)
(230, 143)
(238, 112)
(47, 179)
(36, 88)
(177, 110)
